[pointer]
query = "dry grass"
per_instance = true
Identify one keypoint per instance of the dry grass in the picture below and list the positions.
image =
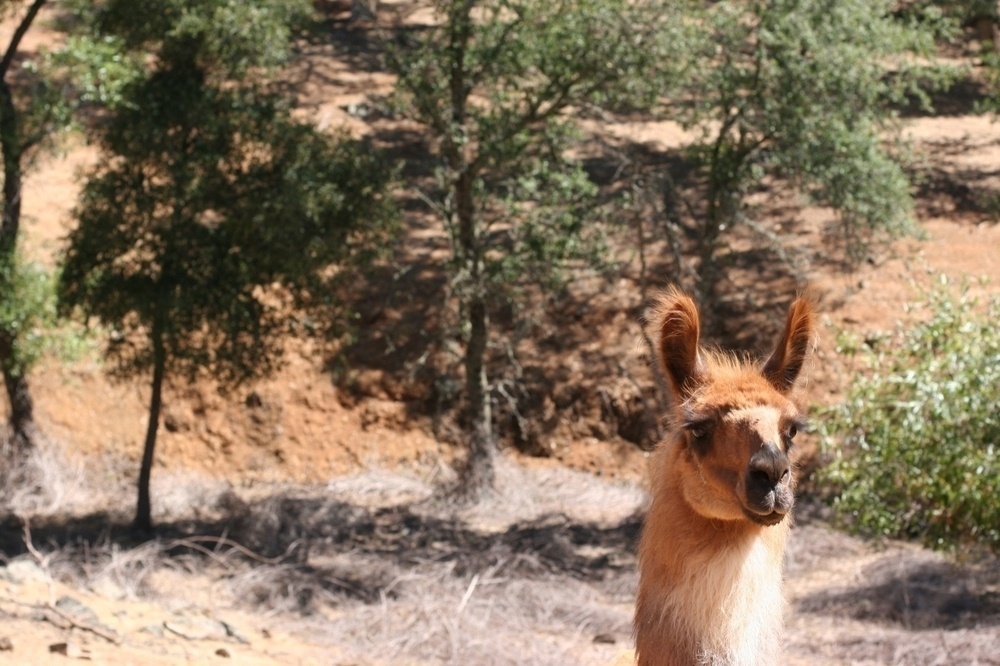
(373, 569)
(525, 494)
(431, 615)
(49, 482)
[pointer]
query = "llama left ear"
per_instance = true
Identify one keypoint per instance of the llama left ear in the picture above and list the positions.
(782, 368)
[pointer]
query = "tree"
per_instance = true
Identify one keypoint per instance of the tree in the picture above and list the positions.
(493, 80)
(38, 101)
(17, 139)
(803, 90)
(212, 211)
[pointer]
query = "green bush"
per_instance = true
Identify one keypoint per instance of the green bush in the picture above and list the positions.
(28, 312)
(913, 451)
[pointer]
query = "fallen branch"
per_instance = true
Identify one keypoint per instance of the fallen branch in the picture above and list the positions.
(63, 620)
(97, 630)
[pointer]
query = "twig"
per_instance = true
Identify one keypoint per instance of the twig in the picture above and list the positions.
(193, 544)
(468, 595)
(40, 559)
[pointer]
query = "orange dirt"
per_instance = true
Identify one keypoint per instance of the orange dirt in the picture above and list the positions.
(303, 426)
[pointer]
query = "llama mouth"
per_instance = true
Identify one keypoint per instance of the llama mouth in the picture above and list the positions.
(765, 519)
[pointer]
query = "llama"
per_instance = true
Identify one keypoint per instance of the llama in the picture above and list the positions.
(710, 556)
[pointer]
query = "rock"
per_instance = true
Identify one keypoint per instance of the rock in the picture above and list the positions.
(71, 649)
(24, 570)
(77, 610)
(199, 629)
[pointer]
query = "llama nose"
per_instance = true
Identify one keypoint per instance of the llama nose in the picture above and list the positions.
(769, 467)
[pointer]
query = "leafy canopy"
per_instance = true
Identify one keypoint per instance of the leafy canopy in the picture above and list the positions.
(494, 81)
(804, 90)
(211, 203)
(228, 39)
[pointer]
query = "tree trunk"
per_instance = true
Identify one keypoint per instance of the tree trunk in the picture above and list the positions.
(22, 413)
(708, 244)
(22, 408)
(987, 29)
(478, 475)
(143, 512)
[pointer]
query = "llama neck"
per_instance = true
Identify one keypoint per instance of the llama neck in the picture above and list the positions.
(710, 590)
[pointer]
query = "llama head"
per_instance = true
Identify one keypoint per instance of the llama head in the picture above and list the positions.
(734, 421)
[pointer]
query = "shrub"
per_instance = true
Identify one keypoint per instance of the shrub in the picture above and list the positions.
(914, 449)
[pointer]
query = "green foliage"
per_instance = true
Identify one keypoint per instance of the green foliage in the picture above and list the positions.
(991, 76)
(552, 204)
(204, 199)
(28, 314)
(940, 11)
(211, 206)
(226, 38)
(916, 446)
(27, 310)
(492, 83)
(803, 90)
(95, 69)
(212, 212)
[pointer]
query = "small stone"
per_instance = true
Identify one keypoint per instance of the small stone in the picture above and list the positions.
(24, 571)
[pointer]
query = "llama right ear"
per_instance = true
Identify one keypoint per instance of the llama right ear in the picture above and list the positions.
(782, 368)
(678, 329)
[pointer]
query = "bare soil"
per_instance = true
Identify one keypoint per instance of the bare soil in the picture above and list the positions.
(299, 523)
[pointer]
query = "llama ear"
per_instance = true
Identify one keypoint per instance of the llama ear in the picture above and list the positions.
(677, 331)
(782, 368)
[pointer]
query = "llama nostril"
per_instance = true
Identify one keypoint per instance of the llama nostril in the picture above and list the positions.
(769, 467)
(760, 477)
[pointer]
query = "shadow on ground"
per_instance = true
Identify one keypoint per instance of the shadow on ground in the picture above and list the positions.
(915, 593)
(313, 547)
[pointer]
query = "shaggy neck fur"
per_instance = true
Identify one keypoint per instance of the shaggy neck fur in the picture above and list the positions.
(710, 590)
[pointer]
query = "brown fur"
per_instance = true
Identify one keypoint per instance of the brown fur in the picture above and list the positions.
(711, 552)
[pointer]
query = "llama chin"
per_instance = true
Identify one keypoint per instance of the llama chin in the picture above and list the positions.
(710, 557)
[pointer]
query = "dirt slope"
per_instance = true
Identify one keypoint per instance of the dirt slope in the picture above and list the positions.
(851, 601)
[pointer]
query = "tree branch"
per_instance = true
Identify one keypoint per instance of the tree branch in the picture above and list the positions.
(15, 41)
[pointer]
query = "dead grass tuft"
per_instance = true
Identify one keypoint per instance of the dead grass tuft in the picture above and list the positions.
(527, 494)
(491, 617)
(47, 482)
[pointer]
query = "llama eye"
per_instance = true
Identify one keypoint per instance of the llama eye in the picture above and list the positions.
(793, 430)
(698, 434)
(698, 431)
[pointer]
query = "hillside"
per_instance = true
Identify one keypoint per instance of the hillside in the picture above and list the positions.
(326, 471)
